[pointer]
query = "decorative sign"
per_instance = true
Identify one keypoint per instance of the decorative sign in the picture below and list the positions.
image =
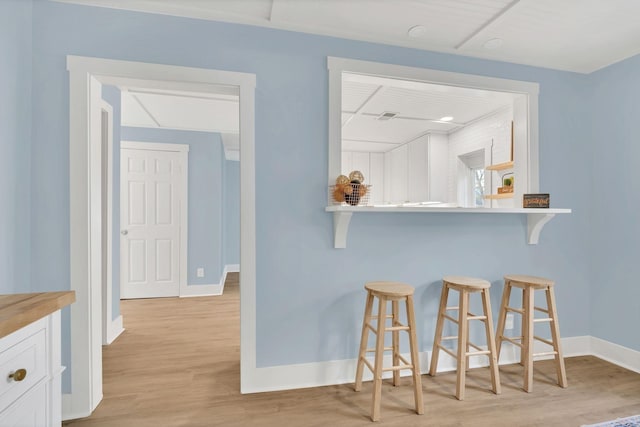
(535, 200)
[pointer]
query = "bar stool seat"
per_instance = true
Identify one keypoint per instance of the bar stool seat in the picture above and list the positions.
(394, 292)
(529, 284)
(465, 286)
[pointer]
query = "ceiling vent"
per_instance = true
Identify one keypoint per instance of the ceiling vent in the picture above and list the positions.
(387, 115)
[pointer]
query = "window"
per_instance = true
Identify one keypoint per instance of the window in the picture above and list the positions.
(471, 182)
(345, 76)
(477, 184)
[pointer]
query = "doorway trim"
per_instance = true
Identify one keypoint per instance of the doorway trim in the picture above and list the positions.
(111, 328)
(182, 150)
(86, 76)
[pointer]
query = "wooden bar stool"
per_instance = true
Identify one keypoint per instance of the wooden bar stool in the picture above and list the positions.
(529, 284)
(465, 286)
(394, 292)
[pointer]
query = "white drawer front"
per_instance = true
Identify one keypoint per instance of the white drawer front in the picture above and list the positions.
(29, 411)
(28, 354)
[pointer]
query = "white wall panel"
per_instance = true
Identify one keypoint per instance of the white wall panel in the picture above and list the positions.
(376, 178)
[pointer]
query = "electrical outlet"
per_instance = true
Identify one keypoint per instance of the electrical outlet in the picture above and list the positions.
(508, 324)
(200, 272)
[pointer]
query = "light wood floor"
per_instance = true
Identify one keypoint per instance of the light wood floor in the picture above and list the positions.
(177, 364)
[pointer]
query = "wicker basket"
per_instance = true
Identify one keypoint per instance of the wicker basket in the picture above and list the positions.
(353, 199)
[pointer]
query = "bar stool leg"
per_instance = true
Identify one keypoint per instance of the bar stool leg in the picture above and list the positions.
(444, 295)
(555, 334)
(362, 353)
(377, 371)
(413, 345)
(491, 342)
(527, 340)
(463, 333)
(395, 339)
(506, 296)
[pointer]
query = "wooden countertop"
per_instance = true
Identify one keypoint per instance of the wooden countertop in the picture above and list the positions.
(18, 310)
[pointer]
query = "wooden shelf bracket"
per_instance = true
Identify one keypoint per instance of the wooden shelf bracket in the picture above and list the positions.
(341, 222)
(535, 224)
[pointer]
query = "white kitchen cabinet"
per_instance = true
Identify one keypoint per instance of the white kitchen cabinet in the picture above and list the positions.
(372, 167)
(30, 395)
(417, 171)
(398, 177)
(28, 411)
(376, 178)
(438, 167)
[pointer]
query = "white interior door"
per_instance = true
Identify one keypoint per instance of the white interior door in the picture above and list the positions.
(150, 238)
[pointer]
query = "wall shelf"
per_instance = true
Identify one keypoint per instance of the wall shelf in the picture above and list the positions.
(536, 218)
(499, 196)
(500, 166)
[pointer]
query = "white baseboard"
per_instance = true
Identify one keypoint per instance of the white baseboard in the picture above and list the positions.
(201, 290)
(616, 354)
(576, 346)
(67, 410)
(343, 371)
(210, 290)
(114, 330)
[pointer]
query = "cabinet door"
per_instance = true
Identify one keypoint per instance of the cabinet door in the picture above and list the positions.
(361, 163)
(398, 187)
(347, 162)
(418, 171)
(376, 178)
(438, 157)
(28, 411)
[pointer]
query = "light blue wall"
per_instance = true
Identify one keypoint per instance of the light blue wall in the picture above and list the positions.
(231, 227)
(15, 146)
(206, 158)
(111, 94)
(615, 292)
(308, 293)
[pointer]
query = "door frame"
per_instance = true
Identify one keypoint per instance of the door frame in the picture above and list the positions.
(109, 330)
(182, 150)
(86, 76)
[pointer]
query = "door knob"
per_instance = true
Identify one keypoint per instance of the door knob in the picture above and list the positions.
(18, 375)
(124, 232)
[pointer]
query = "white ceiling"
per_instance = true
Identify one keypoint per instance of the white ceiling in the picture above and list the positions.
(180, 110)
(573, 35)
(184, 110)
(418, 107)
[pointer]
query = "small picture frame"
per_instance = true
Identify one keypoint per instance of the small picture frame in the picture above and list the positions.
(539, 200)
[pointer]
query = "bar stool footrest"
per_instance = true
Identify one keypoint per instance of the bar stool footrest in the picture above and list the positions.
(546, 341)
(545, 353)
(397, 368)
(477, 353)
(449, 352)
(513, 341)
(453, 319)
(373, 350)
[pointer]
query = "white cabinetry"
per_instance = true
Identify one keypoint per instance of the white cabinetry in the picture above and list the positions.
(30, 387)
(417, 171)
(438, 158)
(376, 178)
(372, 167)
(397, 174)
